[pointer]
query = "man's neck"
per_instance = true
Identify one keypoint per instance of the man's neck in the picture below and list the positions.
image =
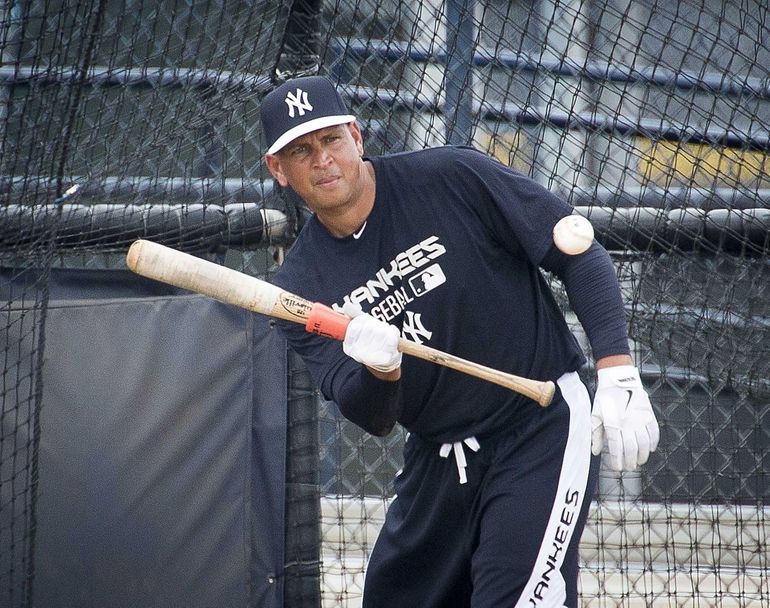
(349, 219)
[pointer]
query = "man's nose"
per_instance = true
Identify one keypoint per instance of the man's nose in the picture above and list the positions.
(321, 156)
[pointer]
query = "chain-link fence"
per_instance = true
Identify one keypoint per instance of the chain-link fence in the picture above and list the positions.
(650, 117)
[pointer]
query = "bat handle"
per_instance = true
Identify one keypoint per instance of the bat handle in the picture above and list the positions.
(540, 391)
(324, 321)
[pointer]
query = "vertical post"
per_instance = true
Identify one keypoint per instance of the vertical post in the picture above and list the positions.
(459, 71)
(557, 163)
(300, 51)
(10, 13)
(302, 561)
(211, 156)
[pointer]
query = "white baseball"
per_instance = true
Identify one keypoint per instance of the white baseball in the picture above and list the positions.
(573, 234)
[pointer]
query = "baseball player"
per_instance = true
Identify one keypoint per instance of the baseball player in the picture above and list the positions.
(446, 247)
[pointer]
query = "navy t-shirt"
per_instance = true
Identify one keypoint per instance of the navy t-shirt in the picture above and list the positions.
(450, 255)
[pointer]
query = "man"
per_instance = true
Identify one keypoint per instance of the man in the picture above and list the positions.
(444, 246)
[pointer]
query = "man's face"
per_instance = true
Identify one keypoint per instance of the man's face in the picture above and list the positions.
(323, 167)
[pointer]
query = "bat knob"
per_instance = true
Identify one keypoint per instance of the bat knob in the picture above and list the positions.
(134, 252)
(546, 393)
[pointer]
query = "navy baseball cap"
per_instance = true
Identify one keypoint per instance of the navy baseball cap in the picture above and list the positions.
(298, 107)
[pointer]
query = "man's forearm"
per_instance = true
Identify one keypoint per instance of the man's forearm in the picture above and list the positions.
(614, 361)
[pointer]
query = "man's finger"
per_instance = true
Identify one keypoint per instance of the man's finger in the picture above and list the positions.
(615, 448)
(597, 435)
(630, 451)
(643, 441)
(654, 432)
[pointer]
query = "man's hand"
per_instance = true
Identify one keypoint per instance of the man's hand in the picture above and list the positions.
(622, 414)
(371, 342)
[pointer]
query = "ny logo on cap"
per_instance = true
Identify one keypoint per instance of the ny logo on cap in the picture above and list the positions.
(298, 102)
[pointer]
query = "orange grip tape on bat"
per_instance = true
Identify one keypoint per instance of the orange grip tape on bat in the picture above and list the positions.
(326, 322)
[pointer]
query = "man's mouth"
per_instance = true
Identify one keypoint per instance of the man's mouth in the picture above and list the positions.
(328, 180)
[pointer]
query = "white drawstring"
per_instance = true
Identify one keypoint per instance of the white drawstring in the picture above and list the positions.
(457, 446)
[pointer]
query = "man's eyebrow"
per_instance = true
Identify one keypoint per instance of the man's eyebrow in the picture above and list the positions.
(293, 145)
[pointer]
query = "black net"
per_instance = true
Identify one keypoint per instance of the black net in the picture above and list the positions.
(124, 119)
(21, 356)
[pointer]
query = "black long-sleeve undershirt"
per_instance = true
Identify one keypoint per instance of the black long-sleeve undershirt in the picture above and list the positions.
(594, 295)
(356, 388)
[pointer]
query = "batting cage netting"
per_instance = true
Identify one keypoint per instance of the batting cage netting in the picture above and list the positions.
(127, 118)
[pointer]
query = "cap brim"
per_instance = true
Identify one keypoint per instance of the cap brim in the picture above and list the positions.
(308, 127)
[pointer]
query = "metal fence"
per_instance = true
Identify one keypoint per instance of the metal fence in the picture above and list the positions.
(650, 117)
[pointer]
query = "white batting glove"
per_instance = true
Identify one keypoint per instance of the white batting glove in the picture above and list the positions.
(371, 341)
(622, 414)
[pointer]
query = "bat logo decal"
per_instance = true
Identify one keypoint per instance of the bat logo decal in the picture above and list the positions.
(299, 307)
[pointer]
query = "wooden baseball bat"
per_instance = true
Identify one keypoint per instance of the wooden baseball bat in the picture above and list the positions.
(180, 269)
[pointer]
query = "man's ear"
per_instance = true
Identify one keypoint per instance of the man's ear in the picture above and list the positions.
(355, 132)
(274, 166)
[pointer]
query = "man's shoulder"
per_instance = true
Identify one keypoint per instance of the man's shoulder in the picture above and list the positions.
(435, 154)
(448, 161)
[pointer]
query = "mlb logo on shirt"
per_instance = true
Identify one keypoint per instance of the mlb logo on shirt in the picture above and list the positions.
(427, 280)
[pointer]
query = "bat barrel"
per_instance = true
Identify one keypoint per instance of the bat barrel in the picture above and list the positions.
(161, 263)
